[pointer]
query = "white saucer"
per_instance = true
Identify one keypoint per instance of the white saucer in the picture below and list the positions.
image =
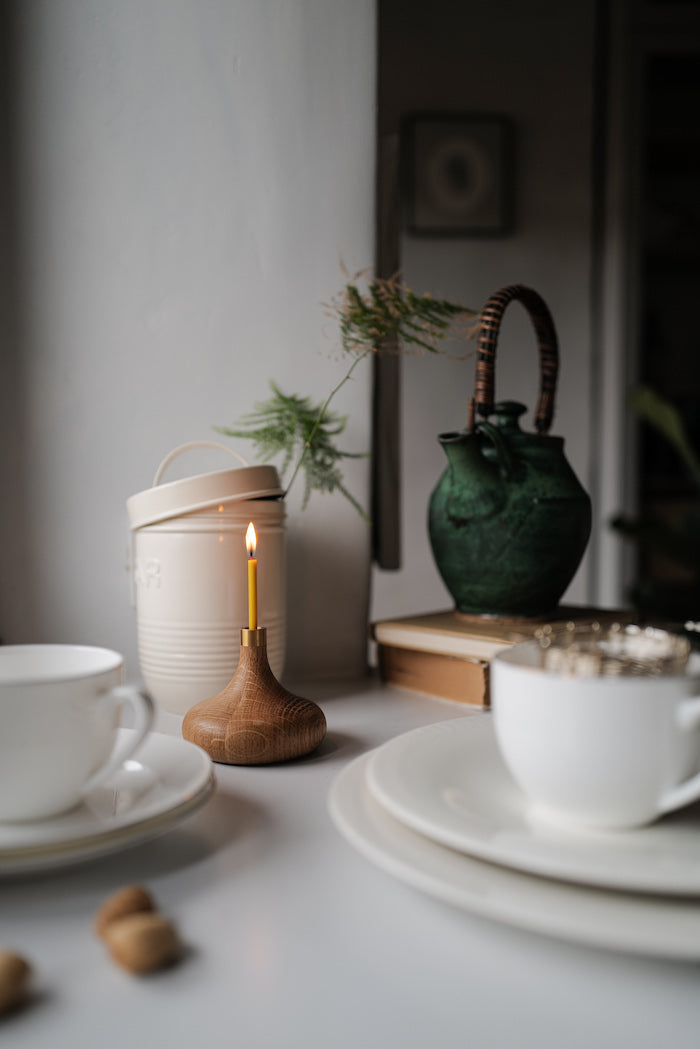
(167, 780)
(448, 782)
(646, 925)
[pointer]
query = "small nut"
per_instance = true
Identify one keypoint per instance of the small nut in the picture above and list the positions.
(133, 899)
(143, 942)
(14, 977)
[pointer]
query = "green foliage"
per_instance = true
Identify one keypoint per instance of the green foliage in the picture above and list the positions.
(377, 319)
(676, 541)
(387, 311)
(666, 419)
(289, 425)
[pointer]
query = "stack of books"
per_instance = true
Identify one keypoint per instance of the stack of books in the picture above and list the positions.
(447, 654)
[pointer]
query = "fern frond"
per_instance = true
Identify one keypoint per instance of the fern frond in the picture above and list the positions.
(292, 426)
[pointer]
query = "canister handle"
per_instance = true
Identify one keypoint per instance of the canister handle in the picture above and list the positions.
(185, 448)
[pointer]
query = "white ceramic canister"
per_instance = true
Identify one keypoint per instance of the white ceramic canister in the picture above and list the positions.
(191, 576)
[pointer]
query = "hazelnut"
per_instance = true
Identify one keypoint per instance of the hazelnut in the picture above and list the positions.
(133, 899)
(14, 977)
(142, 942)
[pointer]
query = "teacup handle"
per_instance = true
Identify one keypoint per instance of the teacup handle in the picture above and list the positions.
(688, 716)
(144, 712)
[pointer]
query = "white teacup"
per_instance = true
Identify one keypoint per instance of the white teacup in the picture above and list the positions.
(60, 709)
(597, 751)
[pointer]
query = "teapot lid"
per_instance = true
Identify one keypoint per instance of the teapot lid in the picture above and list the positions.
(507, 415)
(507, 423)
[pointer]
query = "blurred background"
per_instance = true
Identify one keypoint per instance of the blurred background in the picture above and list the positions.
(179, 182)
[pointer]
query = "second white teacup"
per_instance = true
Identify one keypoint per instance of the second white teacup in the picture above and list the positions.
(597, 751)
(60, 711)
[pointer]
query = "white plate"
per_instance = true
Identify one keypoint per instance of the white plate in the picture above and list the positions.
(448, 782)
(167, 780)
(636, 924)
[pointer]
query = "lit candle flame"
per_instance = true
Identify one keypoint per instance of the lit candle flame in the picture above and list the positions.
(251, 540)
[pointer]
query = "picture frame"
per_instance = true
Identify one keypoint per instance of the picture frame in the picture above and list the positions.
(457, 175)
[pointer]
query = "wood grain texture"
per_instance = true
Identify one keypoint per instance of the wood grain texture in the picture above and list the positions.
(254, 720)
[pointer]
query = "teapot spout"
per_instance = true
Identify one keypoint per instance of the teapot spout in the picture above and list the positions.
(472, 486)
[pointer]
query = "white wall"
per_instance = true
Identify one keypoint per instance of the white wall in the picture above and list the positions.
(534, 63)
(188, 173)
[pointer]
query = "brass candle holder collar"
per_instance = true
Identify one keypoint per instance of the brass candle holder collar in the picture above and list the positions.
(254, 720)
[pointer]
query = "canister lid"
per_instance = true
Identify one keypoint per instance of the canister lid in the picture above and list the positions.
(200, 492)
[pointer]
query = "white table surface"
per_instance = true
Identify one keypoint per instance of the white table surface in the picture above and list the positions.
(296, 940)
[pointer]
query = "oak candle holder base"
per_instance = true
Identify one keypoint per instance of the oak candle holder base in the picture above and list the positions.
(254, 720)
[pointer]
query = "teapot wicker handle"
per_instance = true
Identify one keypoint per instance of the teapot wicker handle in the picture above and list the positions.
(489, 324)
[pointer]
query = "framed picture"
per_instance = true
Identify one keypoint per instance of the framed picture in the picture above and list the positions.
(458, 175)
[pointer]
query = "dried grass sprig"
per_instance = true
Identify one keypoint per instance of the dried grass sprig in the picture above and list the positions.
(385, 311)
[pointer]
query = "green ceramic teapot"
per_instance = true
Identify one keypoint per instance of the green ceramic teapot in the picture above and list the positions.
(508, 520)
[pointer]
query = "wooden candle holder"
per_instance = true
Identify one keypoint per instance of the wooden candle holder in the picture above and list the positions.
(254, 720)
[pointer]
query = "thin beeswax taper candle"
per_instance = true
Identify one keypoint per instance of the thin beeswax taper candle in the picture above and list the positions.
(251, 542)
